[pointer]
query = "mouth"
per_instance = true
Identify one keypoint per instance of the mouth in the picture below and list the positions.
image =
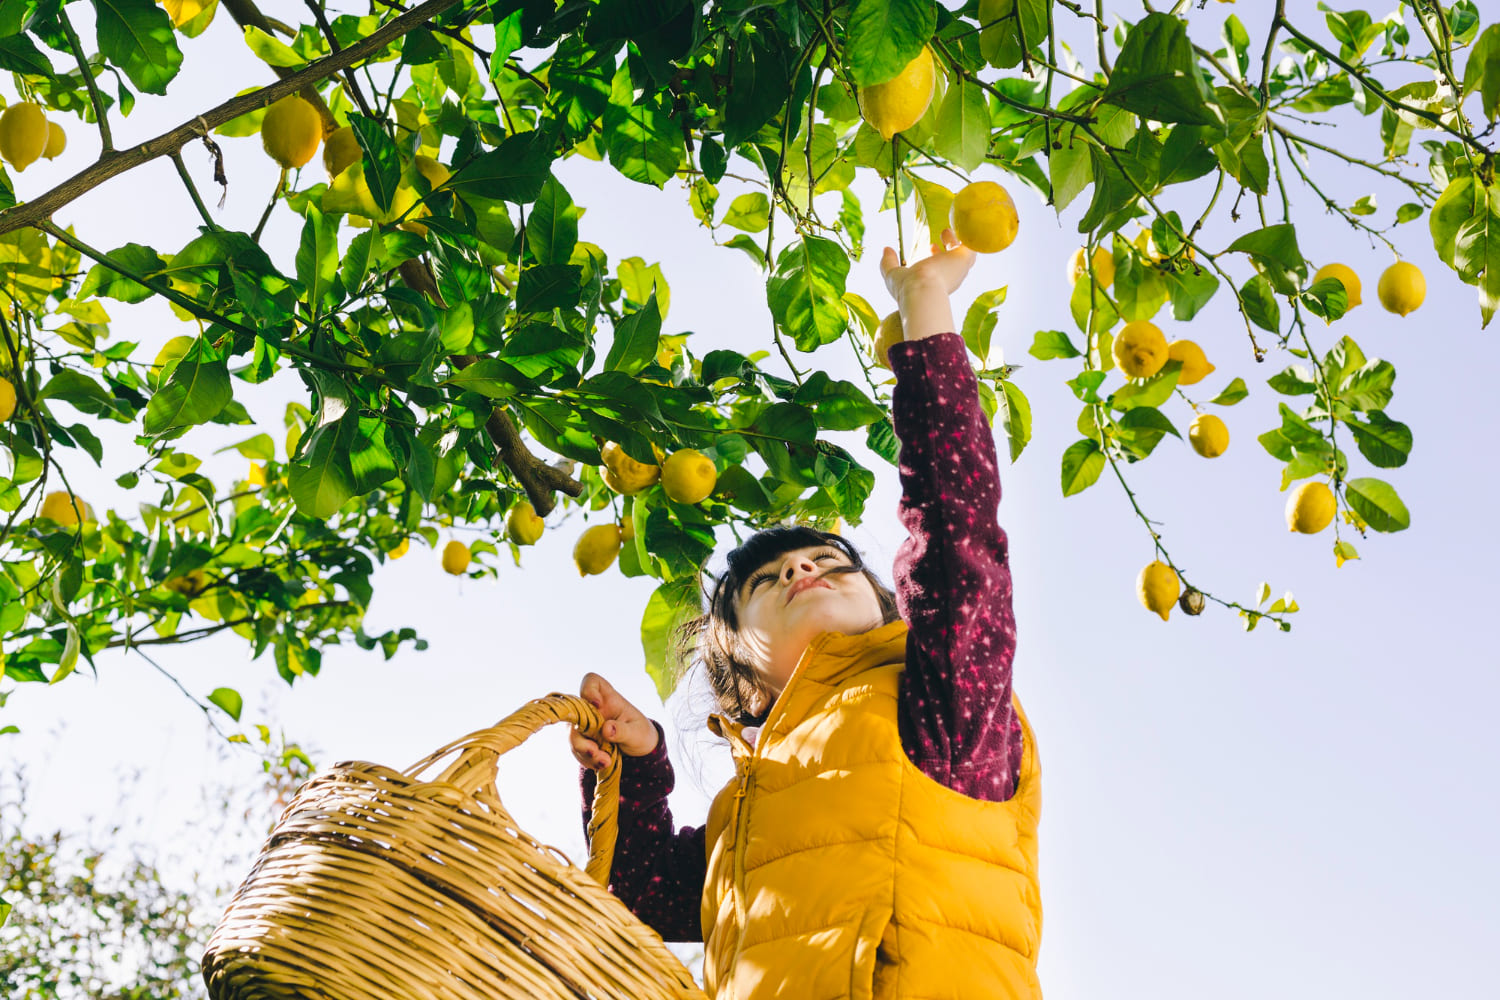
(806, 583)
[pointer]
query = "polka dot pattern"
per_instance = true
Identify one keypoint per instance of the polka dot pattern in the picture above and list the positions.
(953, 588)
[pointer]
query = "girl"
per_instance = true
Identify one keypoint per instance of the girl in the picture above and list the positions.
(879, 839)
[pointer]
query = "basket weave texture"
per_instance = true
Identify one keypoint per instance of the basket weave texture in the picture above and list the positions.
(378, 885)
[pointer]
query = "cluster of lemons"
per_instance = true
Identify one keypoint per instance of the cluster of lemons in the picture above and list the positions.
(26, 135)
(687, 476)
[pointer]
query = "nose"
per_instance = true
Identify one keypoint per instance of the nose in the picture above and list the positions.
(798, 566)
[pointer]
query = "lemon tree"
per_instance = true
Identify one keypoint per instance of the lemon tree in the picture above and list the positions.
(466, 362)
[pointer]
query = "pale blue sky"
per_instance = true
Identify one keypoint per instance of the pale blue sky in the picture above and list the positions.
(1226, 814)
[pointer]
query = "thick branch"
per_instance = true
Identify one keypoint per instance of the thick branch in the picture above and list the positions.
(112, 165)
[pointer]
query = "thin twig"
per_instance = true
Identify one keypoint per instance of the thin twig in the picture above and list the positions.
(192, 189)
(95, 97)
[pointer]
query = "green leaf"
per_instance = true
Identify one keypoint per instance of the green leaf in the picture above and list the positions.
(514, 171)
(1050, 344)
(806, 293)
(980, 322)
(490, 377)
(1327, 298)
(963, 126)
(1275, 250)
(1294, 380)
(382, 163)
(1482, 73)
(1152, 391)
(321, 480)
(884, 35)
(271, 51)
(1081, 465)
(1408, 212)
(1142, 428)
(760, 83)
(636, 336)
(668, 607)
(552, 227)
(1386, 443)
(644, 142)
(1005, 24)
(1015, 415)
(136, 36)
(549, 286)
(749, 212)
(197, 391)
(1156, 74)
(1070, 169)
(1260, 304)
(19, 54)
(103, 280)
(318, 255)
(1190, 291)
(1233, 393)
(229, 700)
(1376, 501)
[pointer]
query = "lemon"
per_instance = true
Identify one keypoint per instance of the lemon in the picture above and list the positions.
(340, 149)
(688, 476)
(190, 584)
(1208, 435)
(1104, 267)
(64, 508)
(350, 193)
(1140, 349)
(1346, 277)
(57, 141)
(1157, 587)
(1402, 288)
(23, 134)
(596, 549)
(1195, 366)
(401, 549)
(291, 131)
(624, 474)
(890, 332)
(7, 400)
(983, 217)
(456, 557)
(257, 476)
(1310, 508)
(523, 526)
(900, 102)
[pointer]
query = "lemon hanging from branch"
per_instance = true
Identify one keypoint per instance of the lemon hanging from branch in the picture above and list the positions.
(291, 131)
(1402, 288)
(984, 217)
(23, 134)
(900, 102)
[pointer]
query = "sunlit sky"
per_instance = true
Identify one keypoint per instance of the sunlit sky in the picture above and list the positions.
(1226, 814)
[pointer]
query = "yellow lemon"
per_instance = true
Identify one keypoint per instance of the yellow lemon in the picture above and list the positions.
(1195, 366)
(456, 557)
(624, 474)
(1402, 288)
(340, 149)
(291, 131)
(257, 476)
(401, 549)
(1140, 349)
(523, 526)
(1310, 508)
(890, 332)
(57, 141)
(596, 549)
(350, 193)
(7, 400)
(1346, 277)
(1104, 267)
(688, 476)
(900, 102)
(23, 134)
(983, 217)
(64, 508)
(1208, 435)
(1157, 587)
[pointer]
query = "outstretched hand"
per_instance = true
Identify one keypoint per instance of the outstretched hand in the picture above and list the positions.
(921, 289)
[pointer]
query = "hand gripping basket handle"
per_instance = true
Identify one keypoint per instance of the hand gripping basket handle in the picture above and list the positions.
(479, 756)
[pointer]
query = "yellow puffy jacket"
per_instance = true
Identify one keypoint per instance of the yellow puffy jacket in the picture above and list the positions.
(837, 869)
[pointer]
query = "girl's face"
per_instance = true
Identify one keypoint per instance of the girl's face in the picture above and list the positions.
(795, 597)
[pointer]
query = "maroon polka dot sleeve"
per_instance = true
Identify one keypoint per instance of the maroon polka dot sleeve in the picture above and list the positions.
(952, 576)
(953, 587)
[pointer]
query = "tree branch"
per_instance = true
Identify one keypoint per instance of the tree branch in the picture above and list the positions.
(113, 164)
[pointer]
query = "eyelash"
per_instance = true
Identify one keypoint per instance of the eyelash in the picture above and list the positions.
(764, 575)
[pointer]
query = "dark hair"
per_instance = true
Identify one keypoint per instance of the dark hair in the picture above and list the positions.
(713, 640)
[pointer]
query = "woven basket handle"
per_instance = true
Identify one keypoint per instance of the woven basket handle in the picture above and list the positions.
(480, 752)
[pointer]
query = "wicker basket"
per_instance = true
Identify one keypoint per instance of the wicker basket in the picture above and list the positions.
(375, 885)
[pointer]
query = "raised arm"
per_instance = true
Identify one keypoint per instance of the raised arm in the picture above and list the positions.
(952, 574)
